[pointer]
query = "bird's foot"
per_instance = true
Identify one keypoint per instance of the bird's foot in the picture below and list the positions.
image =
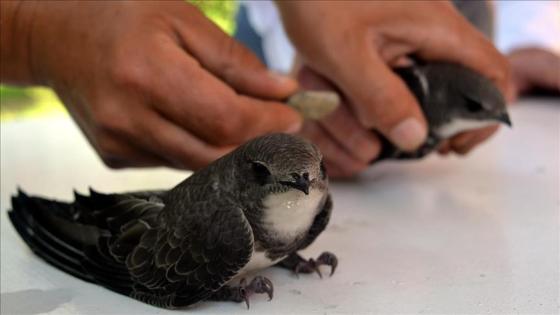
(312, 265)
(259, 285)
(243, 291)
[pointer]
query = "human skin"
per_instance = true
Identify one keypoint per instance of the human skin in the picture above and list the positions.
(352, 45)
(534, 68)
(149, 83)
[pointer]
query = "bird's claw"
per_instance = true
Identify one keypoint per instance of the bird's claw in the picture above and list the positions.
(259, 285)
(312, 265)
(328, 259)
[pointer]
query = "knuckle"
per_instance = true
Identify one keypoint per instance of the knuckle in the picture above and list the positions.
(366, 109)
(381, 118)
(232, 56)
(227, 132)
(107, 122)
(128, 74)
(379, 108)
(229, 127)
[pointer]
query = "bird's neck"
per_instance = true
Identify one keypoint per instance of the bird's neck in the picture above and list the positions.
(286, 217)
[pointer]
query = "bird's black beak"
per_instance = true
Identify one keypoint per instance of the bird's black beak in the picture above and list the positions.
(300, 183)
(504, 117)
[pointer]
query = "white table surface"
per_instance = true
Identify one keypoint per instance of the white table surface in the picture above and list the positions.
(455, 235)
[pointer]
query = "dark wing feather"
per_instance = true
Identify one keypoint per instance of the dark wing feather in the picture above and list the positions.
(169, 256)
(82, 238)
(195, 252)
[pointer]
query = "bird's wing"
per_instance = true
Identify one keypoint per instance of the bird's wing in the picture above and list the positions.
(319, 223)
(166, 255)
(198, 248)
(76, 237)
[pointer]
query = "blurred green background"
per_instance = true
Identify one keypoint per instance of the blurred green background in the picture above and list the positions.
(18, 103)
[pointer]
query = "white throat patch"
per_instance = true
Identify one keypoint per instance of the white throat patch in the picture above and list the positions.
(459, 125)
(291, 213)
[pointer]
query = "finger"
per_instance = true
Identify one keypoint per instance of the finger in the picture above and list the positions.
(535, 68)
(331, 150)
(335, 172)
(379, 99)
(231, 61)
(517, 87)
(471, 48)
(119, 153)
(342, 125)
(176, 145)
(358, 141)
(463, 143)
(192, 97)
(444, 148)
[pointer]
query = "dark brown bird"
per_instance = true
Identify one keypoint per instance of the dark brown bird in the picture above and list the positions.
(253, 208)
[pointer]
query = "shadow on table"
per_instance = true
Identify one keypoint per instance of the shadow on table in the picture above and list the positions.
(34, 301)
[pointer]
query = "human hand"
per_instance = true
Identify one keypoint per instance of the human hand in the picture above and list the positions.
(354, 44)
(348, 148)
(155, 83)
(534, 68)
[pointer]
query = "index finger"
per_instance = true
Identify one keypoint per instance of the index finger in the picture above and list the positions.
(378, 97)
(201, 103)
(462, 43)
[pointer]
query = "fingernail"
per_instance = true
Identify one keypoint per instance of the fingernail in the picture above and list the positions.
(280, 78)
(409, 134)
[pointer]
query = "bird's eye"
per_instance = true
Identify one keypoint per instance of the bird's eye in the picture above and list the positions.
(261, 172)
(323, 170)
(474, 106)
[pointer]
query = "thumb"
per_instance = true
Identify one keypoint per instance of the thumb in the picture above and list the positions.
(380, 99)
(233, 63)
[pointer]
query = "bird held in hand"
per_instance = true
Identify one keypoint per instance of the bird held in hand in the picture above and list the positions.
(453, 99)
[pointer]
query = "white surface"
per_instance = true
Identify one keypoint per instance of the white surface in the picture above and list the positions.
(528, 23)
(475, 235)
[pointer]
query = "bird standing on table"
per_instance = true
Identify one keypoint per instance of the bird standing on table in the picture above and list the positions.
(251, 209)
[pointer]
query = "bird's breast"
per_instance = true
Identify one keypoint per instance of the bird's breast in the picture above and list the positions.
(289, 214)
(458, 125)
(258, 261)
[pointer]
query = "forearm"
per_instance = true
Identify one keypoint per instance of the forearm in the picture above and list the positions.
(16, 23)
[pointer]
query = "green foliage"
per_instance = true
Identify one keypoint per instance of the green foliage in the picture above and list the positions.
(25, 102)
(222, 12)
(28, 102)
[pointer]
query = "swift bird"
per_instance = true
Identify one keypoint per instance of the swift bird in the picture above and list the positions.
(453, 99)
(253, 208)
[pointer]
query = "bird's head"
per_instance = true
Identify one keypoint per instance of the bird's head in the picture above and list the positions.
(458, 99)
(279, 163)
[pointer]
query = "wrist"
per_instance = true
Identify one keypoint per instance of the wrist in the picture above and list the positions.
(15, 44)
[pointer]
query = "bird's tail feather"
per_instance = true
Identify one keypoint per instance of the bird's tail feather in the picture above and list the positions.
(35, 219)
(76, 237)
